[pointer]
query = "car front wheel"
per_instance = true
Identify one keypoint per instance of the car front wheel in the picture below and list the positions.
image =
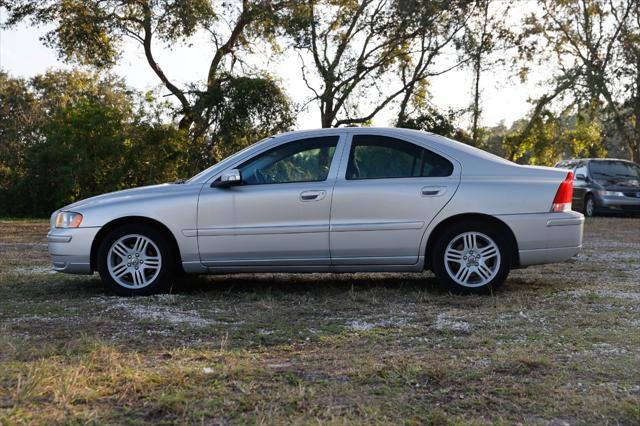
(589, 206)
(135, 260)
(471, 257)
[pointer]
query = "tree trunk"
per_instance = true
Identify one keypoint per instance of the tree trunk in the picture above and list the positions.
(327, 114)
(477, 70)
(326, 120)
(402, 113)
(476, 97)
(635, 144)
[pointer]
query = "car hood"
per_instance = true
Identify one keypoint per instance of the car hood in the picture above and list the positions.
(127, 195)
(620, 184)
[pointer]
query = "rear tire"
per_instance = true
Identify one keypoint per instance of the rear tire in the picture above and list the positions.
(589, 206)
(471, 257)
(136, 260)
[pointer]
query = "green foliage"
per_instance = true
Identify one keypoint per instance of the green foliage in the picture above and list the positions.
(222, 108)
(84, 34)
(18, 116)
(180, 19)
(91, 32)
(429, 119)
(81, 155)
(251, 109)
(71, 135)
(594, 43)
(550, 139)
(154, 153)
(77, 135)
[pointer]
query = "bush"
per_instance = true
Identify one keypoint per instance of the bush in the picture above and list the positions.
(84, 135)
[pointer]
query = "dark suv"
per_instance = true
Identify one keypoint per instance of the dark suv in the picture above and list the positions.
(604, 185)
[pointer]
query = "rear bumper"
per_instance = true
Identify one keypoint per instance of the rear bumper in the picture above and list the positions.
(548, 255)
(546, 237)
(70, 249)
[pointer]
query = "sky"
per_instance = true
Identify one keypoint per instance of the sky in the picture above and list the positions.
(504, 98)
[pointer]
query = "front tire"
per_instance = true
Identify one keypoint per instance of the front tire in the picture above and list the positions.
(471, 257)
(136, 260)
(589, 206)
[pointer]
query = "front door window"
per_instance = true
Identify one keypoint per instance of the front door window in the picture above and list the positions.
(306, 160)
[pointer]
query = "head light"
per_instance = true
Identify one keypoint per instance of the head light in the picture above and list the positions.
(68, 220)
(611, 193)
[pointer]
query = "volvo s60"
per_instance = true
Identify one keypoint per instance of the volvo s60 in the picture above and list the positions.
(331, 200)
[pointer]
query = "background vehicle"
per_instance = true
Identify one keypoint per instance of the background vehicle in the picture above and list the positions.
(329, 200)
(604, 185)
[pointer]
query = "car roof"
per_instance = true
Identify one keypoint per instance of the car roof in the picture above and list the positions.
(473, 160)
(356, 130)
(577, 160)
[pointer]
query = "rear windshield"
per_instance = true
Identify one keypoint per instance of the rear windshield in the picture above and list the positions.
(614, 169)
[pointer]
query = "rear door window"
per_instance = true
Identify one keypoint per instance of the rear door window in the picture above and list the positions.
(384, 157)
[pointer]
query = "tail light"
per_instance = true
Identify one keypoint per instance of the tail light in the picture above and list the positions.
(562, 200)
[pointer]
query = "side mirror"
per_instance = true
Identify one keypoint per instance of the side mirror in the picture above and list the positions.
(580, 176)
(227, 179)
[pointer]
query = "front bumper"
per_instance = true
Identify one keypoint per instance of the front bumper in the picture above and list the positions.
(618, 204)
(546, 237)
(70, 249)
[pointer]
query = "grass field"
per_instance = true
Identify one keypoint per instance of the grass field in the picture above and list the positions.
(558, 344)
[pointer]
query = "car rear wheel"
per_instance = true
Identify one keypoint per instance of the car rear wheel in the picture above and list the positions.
(136, 260)
(471, 257)
(589, 206)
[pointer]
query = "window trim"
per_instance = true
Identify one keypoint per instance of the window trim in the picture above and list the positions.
(352, 147)
(336, 147)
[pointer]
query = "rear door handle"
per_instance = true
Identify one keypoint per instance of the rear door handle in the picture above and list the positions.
(433, 191)
(312, 195)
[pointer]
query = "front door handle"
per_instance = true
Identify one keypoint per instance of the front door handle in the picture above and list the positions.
(433, 191)
(312, 195)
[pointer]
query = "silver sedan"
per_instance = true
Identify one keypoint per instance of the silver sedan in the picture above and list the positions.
(331, 200)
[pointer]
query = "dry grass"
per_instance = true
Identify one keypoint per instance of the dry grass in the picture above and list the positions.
(558, 344)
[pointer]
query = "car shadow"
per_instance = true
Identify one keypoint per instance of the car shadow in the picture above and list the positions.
(319, 283)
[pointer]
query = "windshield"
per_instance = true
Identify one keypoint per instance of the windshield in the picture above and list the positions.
(614, 169)
(565, 165)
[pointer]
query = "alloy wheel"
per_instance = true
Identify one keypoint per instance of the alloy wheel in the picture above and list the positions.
(134, 261)
(472, 259)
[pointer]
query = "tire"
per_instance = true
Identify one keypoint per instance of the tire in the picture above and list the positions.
(457, 265)
(589, 206)
(121, 261)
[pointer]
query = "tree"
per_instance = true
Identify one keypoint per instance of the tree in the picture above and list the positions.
(594, 43)
(352, 52)
(92, 32)
(71, 135)
(82, 155)
(487, 32)
(431, 27)
(18, 118)
(545, 138)
(330, 33)
(441, 123)
(630, 72)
